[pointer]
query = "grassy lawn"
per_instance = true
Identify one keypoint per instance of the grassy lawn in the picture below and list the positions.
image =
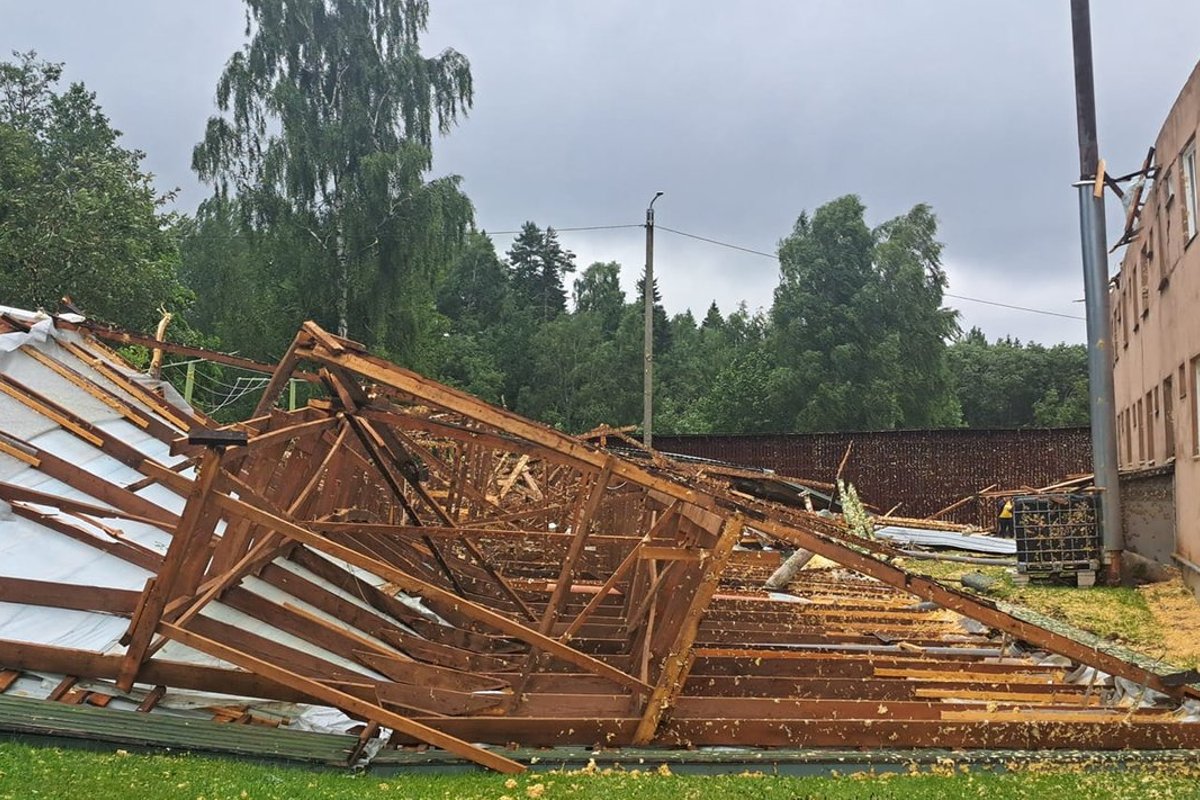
(32, 772)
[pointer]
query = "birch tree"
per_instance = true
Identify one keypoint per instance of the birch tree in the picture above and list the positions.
(327, 116)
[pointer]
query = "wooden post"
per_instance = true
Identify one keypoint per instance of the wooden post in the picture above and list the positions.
(582, 523)
(678, 661)
(196, 522)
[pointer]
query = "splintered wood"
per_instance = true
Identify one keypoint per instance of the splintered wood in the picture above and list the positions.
(453, 572)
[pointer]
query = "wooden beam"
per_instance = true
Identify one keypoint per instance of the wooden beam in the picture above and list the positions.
(346, 702)
(145, 421)
(67, 595)
(407, 583)
(581, 526)
(183, 420)
(195, 524)
(674, 669)
(118, 336)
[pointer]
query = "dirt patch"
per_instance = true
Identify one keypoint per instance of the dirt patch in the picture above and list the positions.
(1160, 620)
(1177, 613)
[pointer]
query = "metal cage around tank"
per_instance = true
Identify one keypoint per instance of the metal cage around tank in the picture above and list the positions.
(1057, 534)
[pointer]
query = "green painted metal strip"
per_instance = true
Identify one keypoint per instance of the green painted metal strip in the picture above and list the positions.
(45, 718)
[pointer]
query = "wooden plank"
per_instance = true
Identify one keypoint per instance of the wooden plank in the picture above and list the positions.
(452, 704)
(123, 503)
(602, 594)
(581, 526)
(179, 418)
(422, 588)
(348, 703)
(60, 691)
(79, 597)
(404, 670)
(89, 664)
(498, 578)
(442, 654)
(124, 337)
(280, 375)
(147, 422)
(962, 502)
(658, 553)
(280, 436)
(151, 699)
(51, 411)
(195, 524)
(674, 669)
(122, 549)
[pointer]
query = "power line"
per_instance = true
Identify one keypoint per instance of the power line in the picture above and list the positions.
(774, 257)
(750, 250)
(1017, 308)
(564, 230)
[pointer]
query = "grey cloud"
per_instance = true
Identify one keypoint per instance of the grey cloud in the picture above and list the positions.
(745, 114)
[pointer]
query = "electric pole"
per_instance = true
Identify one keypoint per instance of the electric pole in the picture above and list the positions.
(648, 295)
(1095, 291)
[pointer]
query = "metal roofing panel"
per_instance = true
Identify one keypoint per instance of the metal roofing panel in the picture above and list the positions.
(29, 550)
(956, 541)
(62, 627)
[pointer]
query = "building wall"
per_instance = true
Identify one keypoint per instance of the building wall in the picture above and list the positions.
(925, 471)
(1148, 512)
(1155, 311)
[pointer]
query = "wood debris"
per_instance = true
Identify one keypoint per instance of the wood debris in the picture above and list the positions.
(450, 571)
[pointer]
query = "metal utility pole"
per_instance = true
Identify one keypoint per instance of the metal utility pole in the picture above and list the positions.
(648, 294)
(1095, 285)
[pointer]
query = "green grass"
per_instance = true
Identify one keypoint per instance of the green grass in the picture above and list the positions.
(1117, 613)
(33, 772)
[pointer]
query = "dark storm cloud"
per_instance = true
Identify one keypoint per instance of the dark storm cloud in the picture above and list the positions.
(745, 114)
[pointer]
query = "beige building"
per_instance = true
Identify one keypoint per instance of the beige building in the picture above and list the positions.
(1155, 308)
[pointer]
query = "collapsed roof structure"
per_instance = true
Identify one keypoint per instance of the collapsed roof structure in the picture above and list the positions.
(451, 574)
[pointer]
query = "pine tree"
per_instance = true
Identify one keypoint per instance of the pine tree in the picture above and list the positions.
(539, 264)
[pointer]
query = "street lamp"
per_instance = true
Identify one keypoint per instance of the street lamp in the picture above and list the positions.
(648, 297)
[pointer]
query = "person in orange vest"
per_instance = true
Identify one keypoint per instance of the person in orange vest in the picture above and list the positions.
(1006, 519)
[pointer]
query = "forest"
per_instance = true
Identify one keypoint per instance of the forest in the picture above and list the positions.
(323, 206)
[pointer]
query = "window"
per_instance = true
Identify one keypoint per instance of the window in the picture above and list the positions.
(1168, 407)
(1182, 383)
(1188, 169)
(1150, 426)
(1128, 438)
(1120, 438)
(1195, 408)
(1114, 302)
(1139, 422)
(1116, 332)
(1144, 268)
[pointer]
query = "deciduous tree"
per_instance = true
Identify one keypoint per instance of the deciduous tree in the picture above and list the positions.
(859, 324)
(78, 215)
(328, 113)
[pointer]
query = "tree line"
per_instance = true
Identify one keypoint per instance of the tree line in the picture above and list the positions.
(323, 207)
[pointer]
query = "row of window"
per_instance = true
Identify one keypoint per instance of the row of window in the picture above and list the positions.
(1130, 301)
(1139, 425)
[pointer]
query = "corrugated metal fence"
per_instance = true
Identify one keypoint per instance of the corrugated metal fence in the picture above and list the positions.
(924, 470)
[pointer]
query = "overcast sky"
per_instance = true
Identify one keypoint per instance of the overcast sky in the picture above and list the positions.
(744, 114)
